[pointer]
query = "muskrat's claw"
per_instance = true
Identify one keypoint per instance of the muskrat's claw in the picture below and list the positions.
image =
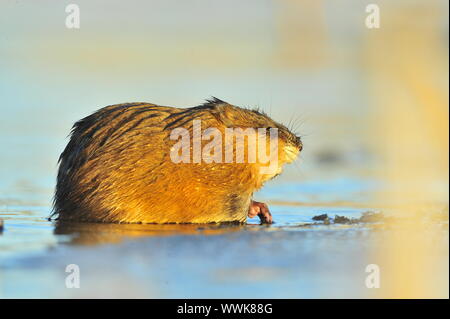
(261, 210)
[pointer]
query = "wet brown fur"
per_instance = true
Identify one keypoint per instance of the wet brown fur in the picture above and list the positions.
(117, 167)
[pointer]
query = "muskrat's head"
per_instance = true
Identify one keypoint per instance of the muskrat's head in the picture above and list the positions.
(288, 145)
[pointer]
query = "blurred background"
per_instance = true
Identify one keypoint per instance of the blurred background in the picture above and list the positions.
(371, 105)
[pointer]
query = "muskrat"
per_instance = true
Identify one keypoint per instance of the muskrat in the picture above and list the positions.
(118, 167)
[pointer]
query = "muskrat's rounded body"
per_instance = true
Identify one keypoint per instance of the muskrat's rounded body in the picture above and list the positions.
(117, 167)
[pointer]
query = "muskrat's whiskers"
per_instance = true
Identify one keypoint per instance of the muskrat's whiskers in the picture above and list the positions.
(270, 107)
(289, 124)
(297, 166)
(298, 122)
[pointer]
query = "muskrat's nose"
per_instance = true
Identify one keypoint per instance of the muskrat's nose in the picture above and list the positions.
(299, 143)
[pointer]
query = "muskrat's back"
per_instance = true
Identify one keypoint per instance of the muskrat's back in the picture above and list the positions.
(117, 168)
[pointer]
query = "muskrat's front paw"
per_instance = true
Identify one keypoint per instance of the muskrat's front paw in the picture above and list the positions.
(261, 210)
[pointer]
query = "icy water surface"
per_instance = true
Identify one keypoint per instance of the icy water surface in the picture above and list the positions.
(291, 258)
